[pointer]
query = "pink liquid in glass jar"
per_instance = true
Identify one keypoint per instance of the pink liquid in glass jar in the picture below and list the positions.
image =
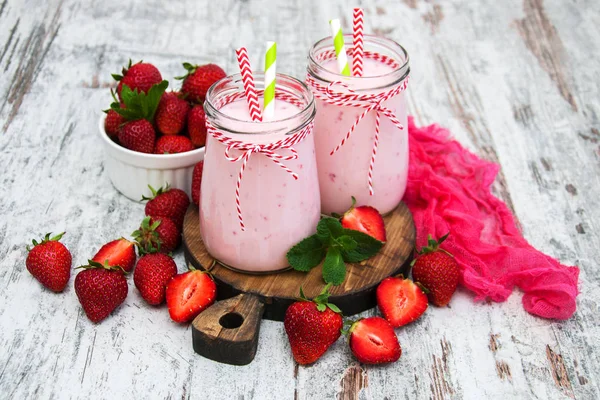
(277, 210)
(346, 173)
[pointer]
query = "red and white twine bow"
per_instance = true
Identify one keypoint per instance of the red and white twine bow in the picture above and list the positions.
(370, 102)
(269, 150)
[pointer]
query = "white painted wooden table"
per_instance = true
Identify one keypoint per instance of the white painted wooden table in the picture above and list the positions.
(516, 81)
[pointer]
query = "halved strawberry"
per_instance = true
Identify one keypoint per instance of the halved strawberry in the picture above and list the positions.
(373, 341)
(401, 301)
(188, 294)
(365, 219)
(118, 253)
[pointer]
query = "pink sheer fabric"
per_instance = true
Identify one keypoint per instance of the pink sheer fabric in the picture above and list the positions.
(449, 191)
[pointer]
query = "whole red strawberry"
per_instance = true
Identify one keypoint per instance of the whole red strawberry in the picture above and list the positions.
(171, 114)
(189, 294)
(173, 145)
(118, 253)
(365, 219)
(151, 275)
(198, 79)
(140, 76)
(100, 289)
(138, 135)
(312, 326)
(168, 202)
(437, 271)
(157, 235)
(373, 341)
(49, 261)
(400, 300)
(196, 182)
(197, 126)
(112, 124)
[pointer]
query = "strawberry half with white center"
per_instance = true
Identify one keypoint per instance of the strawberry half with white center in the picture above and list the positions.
(437, 271)
(401, 301)
(364, 219)
(49, 261)
(137, 109)
(157, 235)
(151, 275)
(189, 294)
(312, 326)
(100, 289)
(373, 341)
(198, 79)
(118, 253)
(168, 202)
(141, 76)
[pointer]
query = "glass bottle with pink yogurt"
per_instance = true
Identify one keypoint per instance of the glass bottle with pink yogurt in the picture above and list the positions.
(353, 159)
(260, 189)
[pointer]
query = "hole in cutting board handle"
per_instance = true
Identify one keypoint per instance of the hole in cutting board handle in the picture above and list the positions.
(231, 320)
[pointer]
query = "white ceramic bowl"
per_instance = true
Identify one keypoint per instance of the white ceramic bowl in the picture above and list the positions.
(131, 172)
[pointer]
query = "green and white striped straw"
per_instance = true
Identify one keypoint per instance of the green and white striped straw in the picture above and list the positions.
(270, 75)
(340, 49)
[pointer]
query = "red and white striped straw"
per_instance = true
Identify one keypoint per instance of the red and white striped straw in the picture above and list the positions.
(248, 80)
(358, 49)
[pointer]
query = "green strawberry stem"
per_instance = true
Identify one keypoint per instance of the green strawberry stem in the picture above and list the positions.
(46, 239)
(348, 326)
(432, 246)
(147, 239)
(156, 192)
(96, 265)
(322, 300)
(190, 68)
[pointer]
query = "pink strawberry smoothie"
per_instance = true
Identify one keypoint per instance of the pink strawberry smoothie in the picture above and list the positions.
(345, 173)
(278, 211)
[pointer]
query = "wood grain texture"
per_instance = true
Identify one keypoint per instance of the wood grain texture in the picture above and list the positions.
(228, 331)
(278, 290)
(516, 82)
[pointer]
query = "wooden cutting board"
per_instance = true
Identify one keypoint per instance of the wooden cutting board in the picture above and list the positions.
(228, 330)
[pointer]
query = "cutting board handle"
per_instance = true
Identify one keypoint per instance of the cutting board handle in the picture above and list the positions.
(228, 330)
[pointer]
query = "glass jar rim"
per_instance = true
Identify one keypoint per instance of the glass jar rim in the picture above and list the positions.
(285, 84)
(399, 54)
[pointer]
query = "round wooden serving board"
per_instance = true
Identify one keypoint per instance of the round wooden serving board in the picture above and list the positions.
(228, 330)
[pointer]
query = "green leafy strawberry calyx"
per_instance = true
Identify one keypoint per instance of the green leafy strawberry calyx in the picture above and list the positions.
(322, 300)
(147, 239)
(190, 68)
(46, 239)
(349, 326)
(118, 77)
(96, 265)
(156, 192)
(140, 105)
(432, 246)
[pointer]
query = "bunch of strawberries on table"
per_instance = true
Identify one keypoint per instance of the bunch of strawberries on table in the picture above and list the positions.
(101, 285)
(144, 117)
(312, 326)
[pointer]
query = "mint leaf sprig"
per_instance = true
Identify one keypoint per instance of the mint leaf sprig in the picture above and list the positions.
(337, 245)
